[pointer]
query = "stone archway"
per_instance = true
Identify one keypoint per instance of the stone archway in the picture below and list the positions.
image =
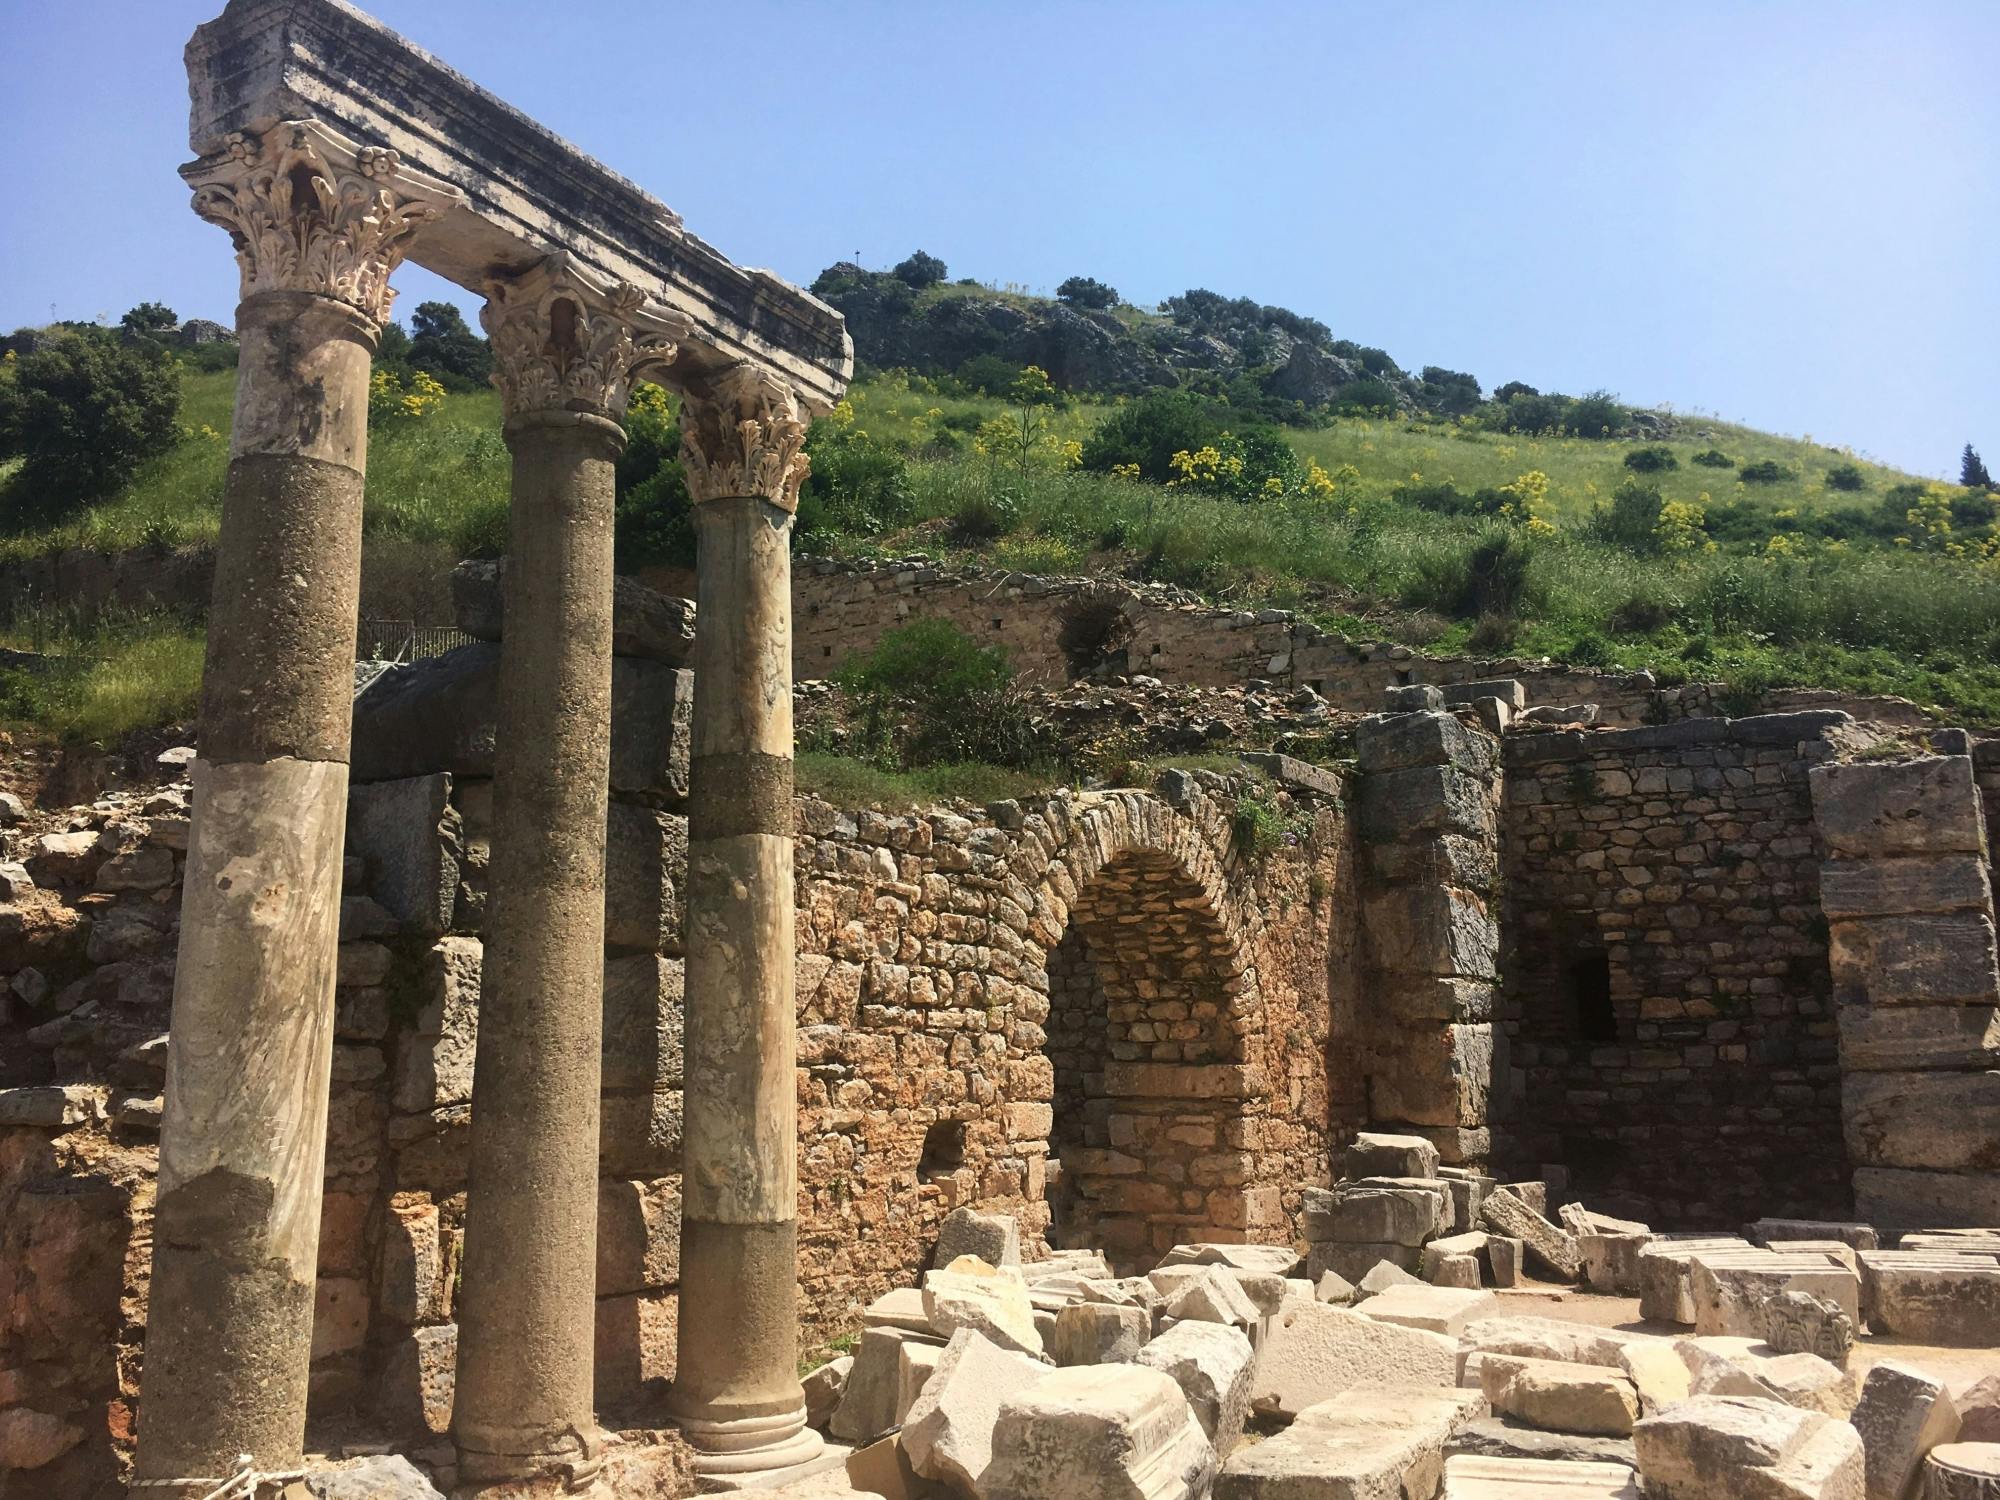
(1155, 1039)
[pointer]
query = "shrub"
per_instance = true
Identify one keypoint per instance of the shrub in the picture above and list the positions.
(83, 413)
(1651, 460)
(1765, 471)
(148, 318)
(1845, 477)
(1528, 410)
(1364, 397)
(1087, 291)
(1597, 414)
(1714, 458)
(928, 694)
(654, 520)
(1487, 581)
(391, 399)
(984, 375)
(919, 271)
(984, 514)
(1149, 432)
(1642, 614)
(858, 486)
(1632, 520)
(1512, 389)
(1450, 391)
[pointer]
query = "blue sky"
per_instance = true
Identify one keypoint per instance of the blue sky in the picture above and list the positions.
(1785, 214)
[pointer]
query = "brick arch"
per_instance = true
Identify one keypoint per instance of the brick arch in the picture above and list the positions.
(1155, 1034)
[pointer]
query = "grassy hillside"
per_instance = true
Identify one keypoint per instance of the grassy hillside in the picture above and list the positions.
(1767, 603)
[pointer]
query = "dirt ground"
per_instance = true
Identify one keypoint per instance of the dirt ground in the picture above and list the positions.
(1957, 1368)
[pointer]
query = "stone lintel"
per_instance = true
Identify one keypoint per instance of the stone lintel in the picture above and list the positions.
(262, 61)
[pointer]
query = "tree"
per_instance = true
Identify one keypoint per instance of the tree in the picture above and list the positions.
(442, 345)
(149, 317)
(920, 271)
(1087, 291)
(84, 413)
(1972, 470)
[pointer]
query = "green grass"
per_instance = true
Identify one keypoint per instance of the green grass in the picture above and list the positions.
(118, 675)
(847, 782)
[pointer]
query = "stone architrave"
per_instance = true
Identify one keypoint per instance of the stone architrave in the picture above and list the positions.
(565, 348)
(320, 222)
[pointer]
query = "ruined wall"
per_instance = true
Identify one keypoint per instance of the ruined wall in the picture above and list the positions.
(1057, 629)
(1667, 990)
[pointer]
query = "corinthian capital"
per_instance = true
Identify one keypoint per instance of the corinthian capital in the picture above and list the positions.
(565, 341)
(311, 211)
(742, 434)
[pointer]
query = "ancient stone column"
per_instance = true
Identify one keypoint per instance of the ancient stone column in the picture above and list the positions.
(319, 224)
(736, 1392)
(564, 348)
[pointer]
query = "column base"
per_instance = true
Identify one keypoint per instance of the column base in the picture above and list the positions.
(750, 1445)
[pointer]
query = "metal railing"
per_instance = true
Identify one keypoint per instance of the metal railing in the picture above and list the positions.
(405, 640)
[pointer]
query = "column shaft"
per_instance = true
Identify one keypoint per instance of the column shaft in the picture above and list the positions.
(243, 1143)
(736, 1388)
(526, 1331)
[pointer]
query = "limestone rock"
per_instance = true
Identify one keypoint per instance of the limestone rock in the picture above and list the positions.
(824, 1387)
(1774, 1233)
(1881, 809)
(1214, 1297)
(1933, 1297)
(1731, 1288)
(30, 1439)
(1313, 1352)
(1552, 1247)
(1560, 1397)
(994, 1238)
(1902, 1415)
(1440, 1309)
(1611, 1262)
(1935, 1121)
(1119, 1432)
(1470, 1478)
(915, 1362)
(1357, 1262)
(1548, 1338)
(867, 1407)
(971, 1294)
(1659, 1372)
(1666, 1285)
(1979, 1411)
(1332, 1287)
(1381, 1277)
(901, 1307)
(1722, 1366)
(1507, 1437)
(1371, 1155)
(948, 1430)
(379, 1476)
(1385, 1443)
(1963, 1471)
(1277, 1260)
(1096, 1333)
(1384, 1215)
(1744, 1448)
(1211, 1363)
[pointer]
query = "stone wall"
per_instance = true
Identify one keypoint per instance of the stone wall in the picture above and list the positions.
(1667, 993)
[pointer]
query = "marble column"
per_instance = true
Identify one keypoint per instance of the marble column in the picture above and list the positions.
(319, 224)
(736, 1393)
(564, 348)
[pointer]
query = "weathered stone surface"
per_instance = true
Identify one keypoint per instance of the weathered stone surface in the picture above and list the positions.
(1903, 1413)
(948, 1430)
(1380, 1277)
(51, 1106)
(1375, 1155)
(1424, 800)
(1918, 1038)
(1776, 1233)
(1731, 1287)
(419, 1379)
(1658, 1371)
(644, 622)
(868, 1406)
(1800, 1323)
(1211, 1364)
(1937, 959)
(1902, 1198)
(644, 1003)
(1962, 1471)
(378, 1476)
(1356, 1263)
(1368, 1445)
(971, 1294)
(1499, 1478)
(1334, 1288)
(1934, 1121)
(915, 1363)
(1121, 1432)
(1547, 1338)
(1611, 1262)
(1445, 1083)
(1278, 1260)
(1591, 1399)
(1313, 1352)
(645, 869)
(638, 1235)
(1722, 1366)
(1666, 1284)
(825, 1386)
(1556, 1250)
(1440, 1309)
(31, 1439)
(1745, 1448)
(434, 1064)
(1506, 1437)
(1882, 809)
(1213, 1297)
(1396, 742)
(1095, 1333)
(994, 1238)
(1900, 887)
(406, 834)
(1432, 929)
(1933, 1297)
(1379, 1215)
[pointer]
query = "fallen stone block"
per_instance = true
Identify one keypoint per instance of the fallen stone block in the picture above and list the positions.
(1088, 1265)
(1503, 1260)
(1902, 1415)
(1979, 1411)
(1377, 1443)
(994, 1238)
(902, 1307)
(1611, 1262)
(1745, 1448)
(1773, 1234)
(1372, 1155)
(1963, 1471)
(1722, 1366)
(1560, 1397)
(971, 1294)
(1384, 1215)
(1666, 1286)
(948, 1430)
(1455, 1260)
(1211, 1364)
(1580, 1221)
(1381, 1276)
(1933, 1297)
(1356, 1263)
(867, 1407)
(1332, 1287)
(1534, 1194)
(1117, 1432)
(1213, 1297)
(915, 1363)
(1313, 1352)
(1732, 1287)
(1474, 1478)
(1439, 1309)
(824, 1387)
(1507, 1437)
(1277, 1260)
(1555, 1250)
(1096, 1333)
(1659, 1372)
(1547, 1338)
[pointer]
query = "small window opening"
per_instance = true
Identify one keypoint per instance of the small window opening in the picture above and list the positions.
(1404, 676)
(1587, 994)
(944, 1150)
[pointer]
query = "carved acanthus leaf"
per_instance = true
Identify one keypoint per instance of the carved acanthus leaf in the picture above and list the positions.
(563, 341)
(742, 434)
(311, 211)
